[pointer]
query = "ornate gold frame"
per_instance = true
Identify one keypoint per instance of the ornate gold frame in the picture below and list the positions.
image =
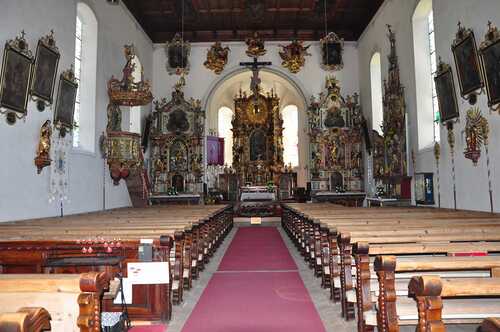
(331, 38)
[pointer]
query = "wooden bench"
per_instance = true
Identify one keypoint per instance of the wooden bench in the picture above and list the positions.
(26, 319)
(490, 325)
(73, 301)
(463, 300)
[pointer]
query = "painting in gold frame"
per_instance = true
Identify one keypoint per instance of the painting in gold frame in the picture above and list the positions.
(45, 71)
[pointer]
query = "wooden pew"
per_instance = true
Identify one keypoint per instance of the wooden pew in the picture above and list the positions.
(490, 325)
(192, 240)
(464, 300)
(26, 319)
(73, 301)
(394, 273)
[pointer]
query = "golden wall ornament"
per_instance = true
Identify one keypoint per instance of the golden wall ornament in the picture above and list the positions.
(293, 56)
(332, 49)
(255, 46)
(476, 134)
(126, 92)
(178, 52)
(489, 51)
(217, 58)
(43, 150)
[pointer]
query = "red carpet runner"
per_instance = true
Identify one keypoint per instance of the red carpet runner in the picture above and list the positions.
(256, 289)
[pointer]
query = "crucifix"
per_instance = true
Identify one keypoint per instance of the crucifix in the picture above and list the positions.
(255, 82)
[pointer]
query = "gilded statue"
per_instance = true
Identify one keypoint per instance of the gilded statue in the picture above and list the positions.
(255, 46)
(476, 134)
(43, 151)
(293, 56)
(217, 58)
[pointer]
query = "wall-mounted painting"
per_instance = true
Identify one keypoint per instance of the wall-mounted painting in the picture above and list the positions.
(467, 64)
(15, 77)
(45, 71)
(490, 55)
(445, 88)
(332, 49)
(178, 51)
(65, 106)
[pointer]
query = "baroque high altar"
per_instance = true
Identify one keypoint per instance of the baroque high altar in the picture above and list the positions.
(258, 139)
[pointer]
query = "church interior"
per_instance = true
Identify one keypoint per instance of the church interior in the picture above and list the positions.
(249, 165)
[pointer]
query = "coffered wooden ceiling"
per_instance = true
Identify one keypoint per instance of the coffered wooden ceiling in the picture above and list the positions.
(233, 20)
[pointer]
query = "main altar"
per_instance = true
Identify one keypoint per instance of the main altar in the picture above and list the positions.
(258, 141)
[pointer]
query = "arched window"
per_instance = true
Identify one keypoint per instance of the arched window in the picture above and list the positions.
(85, 72)
(135, 112)
(424, 49)
(290, 116)
(225, 116)
(376, 91)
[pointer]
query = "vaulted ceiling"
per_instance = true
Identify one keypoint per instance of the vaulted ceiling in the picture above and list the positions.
(234, 20)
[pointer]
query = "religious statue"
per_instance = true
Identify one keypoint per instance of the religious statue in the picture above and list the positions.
(476, 134)
(217, 58)
(255, 46)
(293, 56)
(43, 151)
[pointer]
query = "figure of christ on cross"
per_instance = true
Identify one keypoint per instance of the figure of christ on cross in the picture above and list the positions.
(254, 66)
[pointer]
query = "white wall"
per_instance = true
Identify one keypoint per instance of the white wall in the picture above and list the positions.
(23, 193)
(471, 182)
(201, 82)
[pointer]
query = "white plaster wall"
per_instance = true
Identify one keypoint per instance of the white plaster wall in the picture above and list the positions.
(471, 182)
(310, 80)
(23, 193)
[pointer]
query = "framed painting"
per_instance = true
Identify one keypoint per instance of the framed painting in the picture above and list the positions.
(65, 104)
(178, 51)
(45, 71)
(490, 55)
(15, 76)
(467, 63)
(332, 49)
(445, 89)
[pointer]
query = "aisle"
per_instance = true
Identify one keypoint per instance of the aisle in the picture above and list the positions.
(257, 287)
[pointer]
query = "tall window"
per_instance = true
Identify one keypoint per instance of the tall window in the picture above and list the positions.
(376, 91)
(225, 117)
(135, 112)
(85, 64)
(433, 62)
(424, 48)
(290, 116)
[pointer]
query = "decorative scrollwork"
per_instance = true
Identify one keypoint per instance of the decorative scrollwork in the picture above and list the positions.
(217, 58)
(293, 56)
(255, 46)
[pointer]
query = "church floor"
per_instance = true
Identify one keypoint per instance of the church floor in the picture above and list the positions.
(257, 282)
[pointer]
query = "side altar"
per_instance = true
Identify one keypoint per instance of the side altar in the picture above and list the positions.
(336, 132)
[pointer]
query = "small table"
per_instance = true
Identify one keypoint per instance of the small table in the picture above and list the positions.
(181, 198)
(379, 201)
(351, 198)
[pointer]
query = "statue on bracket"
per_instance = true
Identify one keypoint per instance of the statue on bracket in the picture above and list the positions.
(332, 49)
(293, 56)
(178, 52)
(255, 46)
(476, 134)
(43, 151)
(217, 58)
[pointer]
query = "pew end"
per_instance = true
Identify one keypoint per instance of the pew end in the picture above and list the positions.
(26, 319)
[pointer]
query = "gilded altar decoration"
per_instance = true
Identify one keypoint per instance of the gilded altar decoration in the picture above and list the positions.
(177, 147)
(257, 138)
(126, 92)
(332, 49)
(255, 46)
(45, 71)
(43, 151)
(335, 135)
(467, 64)
(293, 56)
(217, 58)
(476, 134)
(489, 51)
(15, 77)
(178, 52)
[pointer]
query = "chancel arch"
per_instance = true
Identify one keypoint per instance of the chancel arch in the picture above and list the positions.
(291, 99)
